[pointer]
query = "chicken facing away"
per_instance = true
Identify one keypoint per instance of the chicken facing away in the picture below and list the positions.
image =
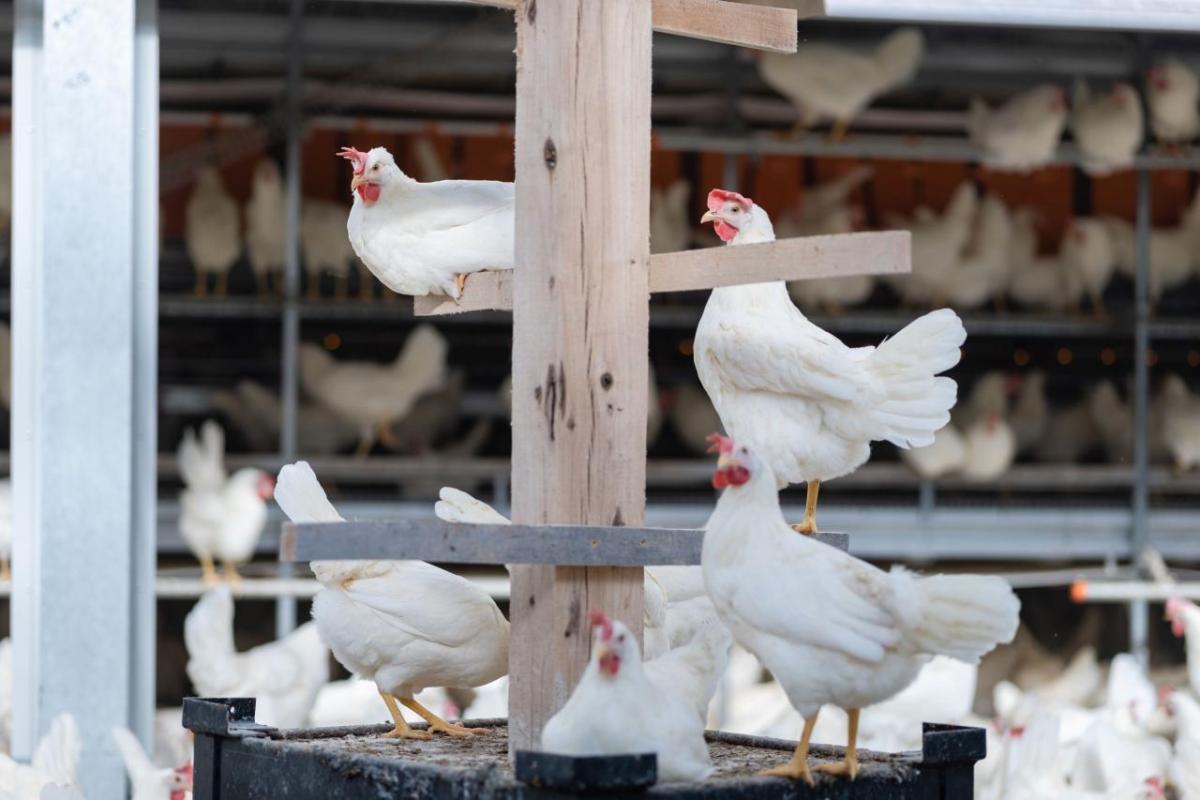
(426, 238)
(221, 517)
(1179, 415)
(620, 706)
(670, 224)
(405, 625)
(55, 765)
(266, 225)
(832, 629)
(1108, 128)
(372, 396)
(149, 782)
(828, 82)
(324, 245)
(284, 675)
(1022, 133)
(1173, 91)
(212, 231)
(810, 405)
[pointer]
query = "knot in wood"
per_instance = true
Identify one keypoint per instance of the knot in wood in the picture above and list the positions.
(606, 381)
(550, 154)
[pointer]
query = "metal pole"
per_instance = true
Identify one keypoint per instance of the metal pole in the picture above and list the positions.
(285, 606)
(1140, 533)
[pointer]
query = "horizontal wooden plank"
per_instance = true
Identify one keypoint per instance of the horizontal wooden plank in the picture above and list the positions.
(758, 27)
(449, 543)
(801, 258)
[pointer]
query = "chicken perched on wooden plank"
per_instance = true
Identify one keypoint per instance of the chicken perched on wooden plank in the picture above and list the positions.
(810, 405)
(406, 625)
(426, 238)
(212, 231)
(833, 629)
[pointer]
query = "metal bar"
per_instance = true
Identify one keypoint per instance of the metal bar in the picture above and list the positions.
(285, 608)
(1139, 533)
(1142, 592)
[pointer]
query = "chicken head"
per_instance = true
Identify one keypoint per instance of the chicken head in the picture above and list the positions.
(731, 471)
(372, 171)
(612, 643)
(728, 211)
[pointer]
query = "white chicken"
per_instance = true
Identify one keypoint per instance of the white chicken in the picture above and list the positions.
(406, 625)
(1021, 134)
(220, 517)
(1173, 90)
(670, 224)
(426, 238)
(1030, 417)
(6, 530)
(1113, 419)
(1184, 617)
(692, 416)
(833, 629)
(990, 447)
(283, 675)
(257, 413)
(55, 764)
(938, 244)
(1041, 282)
(1087, 251)
(266, 225)
(212, 231)
(1179, 416)
(808, 403)
(827, 82)
(621, 707)
(324, 245)
(982, 271)
(1108, 128)
(946, 455)
(373, 396)
(147, 781)
(1075, 435)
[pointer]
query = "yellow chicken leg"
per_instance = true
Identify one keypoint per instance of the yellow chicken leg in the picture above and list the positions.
(849, 766)
(5, 571)
(798, 766)
(809, 526)
(439, 725)
(231, 573)
(401, 729)
(460, 282)
(208, 572)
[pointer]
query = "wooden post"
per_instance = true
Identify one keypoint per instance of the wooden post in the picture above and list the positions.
(580, 325)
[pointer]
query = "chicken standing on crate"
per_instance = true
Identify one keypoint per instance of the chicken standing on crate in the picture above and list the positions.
(807, 402)
(284, 675)
(220, 516)
(1108, 128)
(831, 628)
(1173, 90)
(426, 238)
(406, 625)
(324, 247)
(266, 226)
(372, 396)
(212, 231)
(1021, 134)
(828, 82)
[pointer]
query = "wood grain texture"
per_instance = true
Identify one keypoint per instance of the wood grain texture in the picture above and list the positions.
(448, 543)
(802, 258)
(580, 326)
(758, 27)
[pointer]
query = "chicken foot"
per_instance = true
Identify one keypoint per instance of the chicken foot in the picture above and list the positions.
(439, 725)
(460, 283)
(231, 573)
(401, 729)
(849, 766)
(809, 526)
(798, 766)
(208, 573)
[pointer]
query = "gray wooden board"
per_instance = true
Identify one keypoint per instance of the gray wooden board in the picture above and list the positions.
(450, 543)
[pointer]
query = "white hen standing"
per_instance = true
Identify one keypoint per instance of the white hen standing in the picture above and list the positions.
(211, 231)
(1021, 134)
(265, 225)
(323, 244)
(831, 628)
(1108, 128)
(1087, 251)
(147, 781)
(810, 405)
(1179, 411)
(406, 625)
(1173, 90)
(938, 245)
(426, 238)
(983, 269)
(619, 706)
(828, 82)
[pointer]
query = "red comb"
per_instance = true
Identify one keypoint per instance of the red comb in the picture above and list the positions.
(717, 197)
(599, 619)
(718, 443)
(357, 156)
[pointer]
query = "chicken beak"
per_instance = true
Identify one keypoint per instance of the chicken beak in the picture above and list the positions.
(708, 217)
(724, 461)
(356, 181)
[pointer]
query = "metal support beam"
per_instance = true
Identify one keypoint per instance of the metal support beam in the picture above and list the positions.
(1140, 531)
(83, 292)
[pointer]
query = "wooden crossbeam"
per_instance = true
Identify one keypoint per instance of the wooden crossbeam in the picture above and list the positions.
(802, 258)
(449, 543)
(757, 27)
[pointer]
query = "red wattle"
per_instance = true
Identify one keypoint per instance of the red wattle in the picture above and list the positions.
(724, 230)
(369, 192)
(720, 480)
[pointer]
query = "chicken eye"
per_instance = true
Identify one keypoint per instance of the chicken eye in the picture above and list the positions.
(621, 638)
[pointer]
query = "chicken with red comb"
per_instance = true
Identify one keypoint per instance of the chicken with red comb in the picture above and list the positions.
(1172, 92)
(426, 238)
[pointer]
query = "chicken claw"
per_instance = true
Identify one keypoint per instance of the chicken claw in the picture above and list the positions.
(208, 572)
(460, 283)
(797, 768)
(401, 729)
(849, 765)
(439, 725)
(809, 526)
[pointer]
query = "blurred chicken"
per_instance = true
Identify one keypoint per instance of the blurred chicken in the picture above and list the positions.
(265, 225)
(1171, 250)
(373, 396)
(433, 418)
(947, 455)
(406, 625)
(619, 706)
(55, 764)
(1184, 617)
(1108, 128)
(828, 82)
(692, 416)
(1022, 133)
(938, 244)
(982, 271)
(148, 782)
(324, 245)
(989, 448)
(1088, 252)
(220, 516)
(172, 741)
(1030, 416)
(284, 675)
(212, 231)
(1042, 282)
(670, 223)
(257, 413)
(1075, 435)
(1113, 420)
(1179, 416)
(1173, 90)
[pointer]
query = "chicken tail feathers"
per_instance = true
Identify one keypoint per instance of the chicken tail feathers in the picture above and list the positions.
(916, 403)
(137, 763)
(455, 505)
(961, 616)
(900, 54)
(300, 495)
(57, 755)
(208, 636)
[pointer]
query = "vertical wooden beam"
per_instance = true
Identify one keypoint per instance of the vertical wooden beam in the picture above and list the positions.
(580, 325)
